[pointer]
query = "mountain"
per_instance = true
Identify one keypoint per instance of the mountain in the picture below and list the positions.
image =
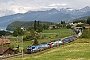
(82, 18)
(77, 12)
(5, 20)
(53, 15)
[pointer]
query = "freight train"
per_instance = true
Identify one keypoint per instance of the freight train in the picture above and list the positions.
(44, 46)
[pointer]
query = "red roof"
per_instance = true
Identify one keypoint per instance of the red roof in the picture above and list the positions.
(87, 27)
(3, 49)
(4, 41)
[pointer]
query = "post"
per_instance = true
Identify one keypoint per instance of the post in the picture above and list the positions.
(58, 36)
(40, 36)
(22, 46)
(59, 33)
(17, 40)
(2, 43)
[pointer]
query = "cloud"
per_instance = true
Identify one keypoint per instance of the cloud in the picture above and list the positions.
(18, 6)
(56, 5)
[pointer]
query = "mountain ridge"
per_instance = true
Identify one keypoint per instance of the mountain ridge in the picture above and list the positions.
(53, 15)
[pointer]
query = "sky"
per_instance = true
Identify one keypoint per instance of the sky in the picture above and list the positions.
(22, 6)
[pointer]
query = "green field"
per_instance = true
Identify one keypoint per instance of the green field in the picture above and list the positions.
(77, 50)
(61, 32)
(48, 35)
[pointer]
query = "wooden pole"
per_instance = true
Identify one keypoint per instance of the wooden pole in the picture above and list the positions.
(22, 47)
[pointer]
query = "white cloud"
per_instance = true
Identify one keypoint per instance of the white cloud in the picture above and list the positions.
(63, 4)
(19, 9)
(22, 6)
(57, 4)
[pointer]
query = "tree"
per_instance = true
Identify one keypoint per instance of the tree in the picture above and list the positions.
(39, 28)
(69, 26)
(4, 33)
(38, 24)
(59, 25)
(45, 26)
(35, 41)
(35, 37)
(15, 33)
(62, 22)
(86, 33)
(35, 26)
(18, 32)
(77, 21)
(80, 25)
(31, 35)
(88, 21)
(30, 28)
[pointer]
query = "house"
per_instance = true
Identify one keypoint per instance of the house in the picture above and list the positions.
(80, 23)
(87, 27)
(52, 27)
(5, 51)
(24, 29)
(4, 41)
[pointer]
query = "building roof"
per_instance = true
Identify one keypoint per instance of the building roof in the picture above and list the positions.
(4, 41)
(3, 49)
(87, 27)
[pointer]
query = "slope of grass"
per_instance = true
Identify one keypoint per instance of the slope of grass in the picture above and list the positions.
(77, 50)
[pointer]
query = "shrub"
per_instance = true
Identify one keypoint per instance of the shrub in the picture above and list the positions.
(28, 38)
(86, 33)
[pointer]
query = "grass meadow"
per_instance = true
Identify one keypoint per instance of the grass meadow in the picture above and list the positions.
(76, 50)
(47, 36)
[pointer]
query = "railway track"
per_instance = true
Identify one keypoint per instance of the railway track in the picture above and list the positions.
(11, 56)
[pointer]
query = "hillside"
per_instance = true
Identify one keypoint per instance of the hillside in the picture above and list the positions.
(83, 18)
(25, 24)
